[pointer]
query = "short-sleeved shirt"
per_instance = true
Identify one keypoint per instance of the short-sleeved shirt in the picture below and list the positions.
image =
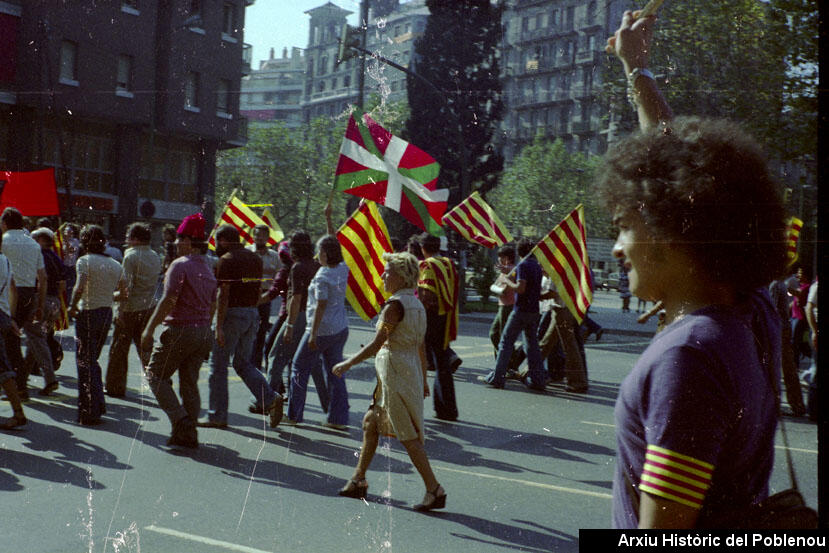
(301, 274)
(328, 284)
(141, 269)
(695, 418)
(279, 288)
(242, 269)
(192, 282)
(103, 274)
(24, 254)
(529, 271)
(5, 284)
(55, 271)
(813, 297)
(270, 265)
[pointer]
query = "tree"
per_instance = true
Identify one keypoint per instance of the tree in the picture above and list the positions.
(291, 168)
(543, 184)
(742, 60)
(458, 53)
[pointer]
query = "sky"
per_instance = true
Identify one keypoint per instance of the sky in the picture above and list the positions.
(283, 23)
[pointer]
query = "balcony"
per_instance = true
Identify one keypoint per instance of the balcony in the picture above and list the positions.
(579, 127)
(247, 58)
(589, 56)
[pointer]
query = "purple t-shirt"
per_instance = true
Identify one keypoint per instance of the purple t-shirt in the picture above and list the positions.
(191, 280)
(695, 419)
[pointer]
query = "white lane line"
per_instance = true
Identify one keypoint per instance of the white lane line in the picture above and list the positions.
(528, 483)
(207, 541)
(801, 450)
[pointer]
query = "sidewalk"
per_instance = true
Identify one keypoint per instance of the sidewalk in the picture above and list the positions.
(606, 310)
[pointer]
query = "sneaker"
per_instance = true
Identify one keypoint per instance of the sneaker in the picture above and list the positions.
(335, 426)
(275, 411)
(207, 423)
(486, 381)
(48, 389)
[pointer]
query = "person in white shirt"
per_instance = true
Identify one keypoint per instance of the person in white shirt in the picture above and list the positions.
(8, 298)
(29, 272)
(99, 276)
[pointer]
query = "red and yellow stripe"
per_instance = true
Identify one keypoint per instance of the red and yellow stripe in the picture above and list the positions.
(675, 476)
(477, 222)
(793, 235)
(563, 254)
(239, 215)
(438, 275)
(363, 239)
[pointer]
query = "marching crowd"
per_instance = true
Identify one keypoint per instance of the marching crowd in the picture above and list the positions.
(700, 230)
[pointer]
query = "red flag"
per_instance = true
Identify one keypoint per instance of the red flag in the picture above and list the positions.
(34, 193)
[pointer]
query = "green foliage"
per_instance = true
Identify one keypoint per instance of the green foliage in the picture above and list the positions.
(458, 53)
(293, 169)
(742, 60)
(543, 184)
(483, 272)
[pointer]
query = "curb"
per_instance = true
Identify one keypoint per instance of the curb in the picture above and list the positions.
(478, 318)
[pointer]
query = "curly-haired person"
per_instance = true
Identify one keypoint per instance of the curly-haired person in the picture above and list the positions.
(701, 229)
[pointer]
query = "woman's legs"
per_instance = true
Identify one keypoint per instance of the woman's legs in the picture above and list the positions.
(417, 453)
(371, 437)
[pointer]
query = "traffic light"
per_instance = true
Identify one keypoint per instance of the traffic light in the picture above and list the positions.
(350, 38)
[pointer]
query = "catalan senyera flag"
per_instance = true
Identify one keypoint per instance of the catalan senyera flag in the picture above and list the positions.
(793, 235)
(477, 222)
(438, 275)
(563, 254)
(378, 166)
(364, 238)
(242, 217)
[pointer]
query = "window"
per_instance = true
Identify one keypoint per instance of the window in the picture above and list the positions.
(229, 19)
(223, 97)
(88, 160)
(554, 18)
(321, 86)
(191, 91)
(168, 174)
(323, 68)
(591, 13)
(347, 81)
(123, 77)
(195, 7)
(69, 62)
(571, 14)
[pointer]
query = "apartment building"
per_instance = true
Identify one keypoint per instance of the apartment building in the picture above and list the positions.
(128, 100)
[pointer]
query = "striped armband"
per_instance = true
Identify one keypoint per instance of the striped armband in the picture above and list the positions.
(675, 476)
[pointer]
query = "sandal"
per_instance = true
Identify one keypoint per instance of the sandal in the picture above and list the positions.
(356, 489)
(16, 420)
(432, 500)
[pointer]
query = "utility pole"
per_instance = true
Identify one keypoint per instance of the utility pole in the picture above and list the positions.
(361, 81)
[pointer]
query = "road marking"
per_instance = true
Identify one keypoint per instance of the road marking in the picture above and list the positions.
(204, 540)
(599, 424)
(528, 483)
(801, 450)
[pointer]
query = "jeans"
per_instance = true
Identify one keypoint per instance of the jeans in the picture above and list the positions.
(91, 327)
(128, 328)
(23, 316)
(517, 323)
(443, 390)
(284, 355)
(240, 326)
(181, 349)
(330, 352)
(264, 326)
(6, 370)
(38, 352)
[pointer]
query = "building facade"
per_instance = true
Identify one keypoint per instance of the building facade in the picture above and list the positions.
(128, 100)
(274, 91)
(552, 57)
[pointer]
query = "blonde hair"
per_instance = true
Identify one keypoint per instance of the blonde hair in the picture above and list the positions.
(405, 265)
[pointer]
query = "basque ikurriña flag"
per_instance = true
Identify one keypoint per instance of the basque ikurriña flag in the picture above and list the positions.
(563, 254)
(363, 239)
(376, 165)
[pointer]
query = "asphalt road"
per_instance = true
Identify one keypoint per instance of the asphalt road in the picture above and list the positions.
(523, 471)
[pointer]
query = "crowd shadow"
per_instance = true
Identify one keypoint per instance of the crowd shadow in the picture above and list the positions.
(446, 443)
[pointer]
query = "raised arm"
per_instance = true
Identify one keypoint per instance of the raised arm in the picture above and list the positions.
(631, 44)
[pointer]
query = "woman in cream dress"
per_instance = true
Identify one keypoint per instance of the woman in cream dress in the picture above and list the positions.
(397, 409)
